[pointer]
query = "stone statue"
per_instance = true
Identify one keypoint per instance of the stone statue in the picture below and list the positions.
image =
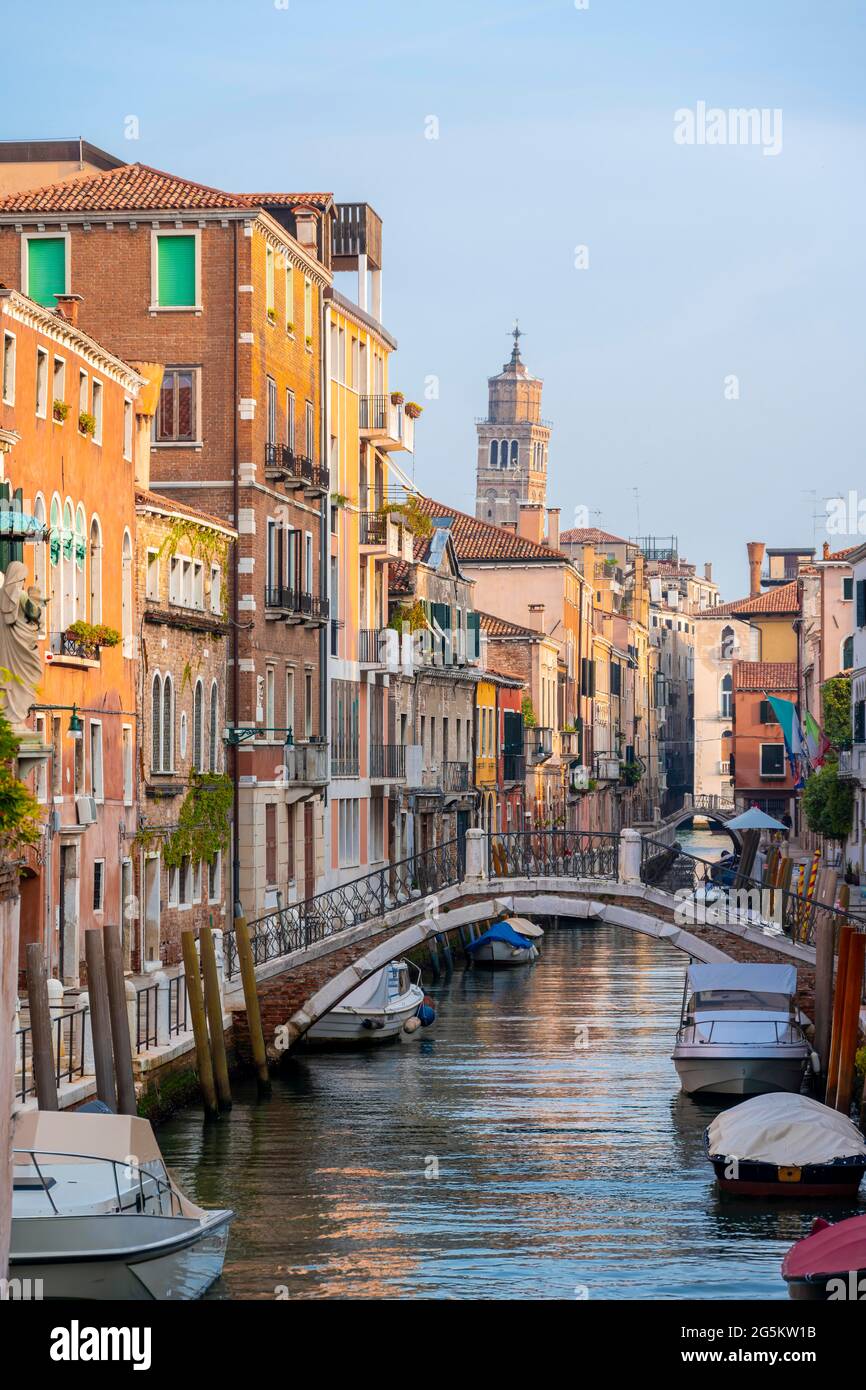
(20, 666)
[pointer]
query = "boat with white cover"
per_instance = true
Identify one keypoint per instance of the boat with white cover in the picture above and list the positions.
(786, 1146)
(376, 1011)
(96, 1215)
(740, 1033)
(506, 943)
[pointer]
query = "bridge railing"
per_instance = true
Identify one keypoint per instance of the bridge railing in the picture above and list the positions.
(706, 896)
(298, 925)
(556, 853)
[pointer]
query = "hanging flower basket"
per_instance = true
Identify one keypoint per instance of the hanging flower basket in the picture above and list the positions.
(397, 398)
(59, 411)
(413, 410)
(87, 423)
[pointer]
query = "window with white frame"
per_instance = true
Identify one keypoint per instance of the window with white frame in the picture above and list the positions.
(98, 885)
(185, 884)
(97, 785)
(40, 781)
(214, 878)
(82, 394)
(173, 885)
(151, 587)
(42, 382)
(269, 282)
(58, 387)
(310, 431)
(174, 577)
(290, 300)
(8, 368)
(95, 570)
(97, 412)
(198, 584)
(198, 727)
(270, 683)
(196, 881)
(127, 430)
(308, 310)
(215, 589)
(213, 747)
(126, 758)
(349, 832)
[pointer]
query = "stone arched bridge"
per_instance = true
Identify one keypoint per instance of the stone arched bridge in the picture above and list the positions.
(308, 988)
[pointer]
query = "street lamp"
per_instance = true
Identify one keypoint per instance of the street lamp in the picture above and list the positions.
(76, 724)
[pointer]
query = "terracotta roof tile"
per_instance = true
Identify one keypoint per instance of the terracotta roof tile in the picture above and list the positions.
(501, 627)
(482, 540)
(401, 577)
(765, 675)
(590, 535)
(144, 497)
(320, 201)
(782, 599)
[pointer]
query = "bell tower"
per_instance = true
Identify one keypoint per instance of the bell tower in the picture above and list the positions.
(513, 442)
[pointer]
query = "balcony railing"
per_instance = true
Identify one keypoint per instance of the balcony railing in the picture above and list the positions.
(370, 642)
(538, 743)
(849, 763)
(606, 767)
(513, 767)
(387, 422)
(387, 760)
(64, 644)
(345, 762)
(295, 470)
(569, 743)
(455, 777)
(373, 528)
(306, 762)
(297, 603)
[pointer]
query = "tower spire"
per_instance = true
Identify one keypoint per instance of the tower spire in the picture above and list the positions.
(516, 335)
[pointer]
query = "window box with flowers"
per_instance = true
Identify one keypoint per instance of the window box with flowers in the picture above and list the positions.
(92, 636)
(397, 398)
(87, 423)
(59, 411)
(413, 410)
(272, 316)
(309, 340)
(290, 328)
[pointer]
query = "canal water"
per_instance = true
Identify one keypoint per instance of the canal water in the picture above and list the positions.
(533, 1144)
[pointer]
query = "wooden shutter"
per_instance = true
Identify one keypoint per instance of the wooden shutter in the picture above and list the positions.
(176, 271)
(46, 269)
(271, 844)
(861, 602)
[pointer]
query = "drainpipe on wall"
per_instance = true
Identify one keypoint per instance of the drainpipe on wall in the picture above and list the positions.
(325, 564)
(236, 683)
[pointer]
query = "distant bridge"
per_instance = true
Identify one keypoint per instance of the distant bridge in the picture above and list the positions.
(718, 810)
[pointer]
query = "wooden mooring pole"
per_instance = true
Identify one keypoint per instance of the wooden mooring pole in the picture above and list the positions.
(844, 943)
(119, 1018)
(214, 1008)
(44, 1075)
(825, 936)
(850, 1022)
(204, 1064)
(100, 1017)
(251, 999)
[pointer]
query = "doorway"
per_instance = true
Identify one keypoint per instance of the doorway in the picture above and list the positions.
(151, 911)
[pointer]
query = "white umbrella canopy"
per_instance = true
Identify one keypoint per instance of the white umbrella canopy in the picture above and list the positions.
(753, 819)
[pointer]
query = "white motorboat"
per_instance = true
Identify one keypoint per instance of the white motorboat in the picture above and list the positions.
(96, 1215)
(740, 1033)
(377, 1011)
(505, 944)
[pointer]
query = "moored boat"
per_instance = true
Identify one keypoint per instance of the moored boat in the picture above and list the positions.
(377, 1011)
(829, 1264)
(739, 1034)
(502, 946)
(786, 1146)
(96, 1215)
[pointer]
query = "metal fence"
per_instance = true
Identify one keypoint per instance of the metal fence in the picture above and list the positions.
(302, 924)
(146, 1003)
(557, 853)
(68, 1044)
(178, 1006)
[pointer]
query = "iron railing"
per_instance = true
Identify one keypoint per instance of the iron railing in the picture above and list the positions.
(456, 777)
(327, 914)
(296, 601)
(369, 644)
(556, 853)
(68, 1039)
(146, 1004)
(513, 767)
(281, 461)
(373, 528)
(387, 760)
(178, 1006)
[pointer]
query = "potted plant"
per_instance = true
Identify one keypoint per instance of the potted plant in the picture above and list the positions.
(309, 340)
(413, 409)
(290, 327)
(59, 411)
(93, 635)
(87, 423)
(397, 398)
(339, 499)
(272, 316)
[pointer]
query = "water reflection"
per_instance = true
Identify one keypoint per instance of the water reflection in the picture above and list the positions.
(559, 1164)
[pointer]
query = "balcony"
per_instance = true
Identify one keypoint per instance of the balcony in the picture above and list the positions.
(386, 424)
(613, 574)
(383, 535)
(569, 743)
(852, 762)
(356, 232)
(345, 761)
(66, 650)
(513, 767)
(455, 777)
(371, 646)
(283, 465)
(387, 761)
(296, 606)
(306, 763)
(538, 743)
(606, 768)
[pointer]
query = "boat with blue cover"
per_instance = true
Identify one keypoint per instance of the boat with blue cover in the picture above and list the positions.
(503, 945)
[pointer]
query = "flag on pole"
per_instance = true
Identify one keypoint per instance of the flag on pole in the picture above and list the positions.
(817, 742)
(795, 744)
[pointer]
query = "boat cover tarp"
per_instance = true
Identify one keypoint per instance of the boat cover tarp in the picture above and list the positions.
(784, 1129)
(500, 932)
(525, 927)
(833, 1250)
(741, 975)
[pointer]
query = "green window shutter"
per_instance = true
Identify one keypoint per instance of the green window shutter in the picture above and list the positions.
(176, 271)
(46, 269)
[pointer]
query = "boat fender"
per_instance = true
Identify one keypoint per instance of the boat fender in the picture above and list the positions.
(412, 1025)
(372, 1023)
(426, 1013)
(816, 1063)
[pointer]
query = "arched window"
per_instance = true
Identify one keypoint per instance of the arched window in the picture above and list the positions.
(198, 727)
(515, 453)
(95, 571)
(503, 453)
(80, 556)
(728, 642)
(67, 565)
(848, 653)
(726, 697)
(156, 724)
(40, 554)
(214, 726)
(167, 726)
(126, 595)
(494, 453)
(55, 547)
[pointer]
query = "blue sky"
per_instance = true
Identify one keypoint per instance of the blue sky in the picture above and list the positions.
(555, 130)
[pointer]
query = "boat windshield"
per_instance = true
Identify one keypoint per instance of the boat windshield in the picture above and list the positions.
(716, 1000)
(51, 1183)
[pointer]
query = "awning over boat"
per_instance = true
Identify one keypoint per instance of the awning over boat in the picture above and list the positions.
(788, 1130)
(737, 975)
(85, 1135)
(832, 1250)
(525, 927)
(502, 931)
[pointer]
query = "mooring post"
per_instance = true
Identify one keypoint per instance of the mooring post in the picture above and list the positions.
(629, 856)
(845, 934)
(119, 1021)
(251, 999)
(850, 1021)
(100, 1017)
(44, 1076)
(204, 1065)
(824, 941)
(214, 1009)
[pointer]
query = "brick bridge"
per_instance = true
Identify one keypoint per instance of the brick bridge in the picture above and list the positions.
(309, 987)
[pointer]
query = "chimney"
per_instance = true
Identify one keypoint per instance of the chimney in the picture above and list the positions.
(531, 523)
(755, 550)
(825, 554)
(708, 571)
(536, 616)
(553, 527)
(145, 407)
(67, 307)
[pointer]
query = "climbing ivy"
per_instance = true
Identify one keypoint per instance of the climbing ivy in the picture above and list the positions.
(836, 707)
(204, 542)
(415, 615)
(203, 823)
(418, 522)
(20, 814)
(828, 803)
(528, 712)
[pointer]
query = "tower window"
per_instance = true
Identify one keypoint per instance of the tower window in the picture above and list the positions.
(503, 453)
(515, 453)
